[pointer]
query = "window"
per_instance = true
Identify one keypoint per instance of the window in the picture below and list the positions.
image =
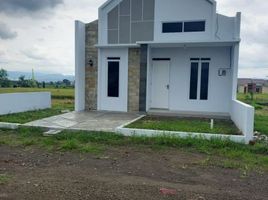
(172, 27)
(199, 78)
(204, 81)
(113, 79)
(178, 27)
(196, 26)
(194, 80)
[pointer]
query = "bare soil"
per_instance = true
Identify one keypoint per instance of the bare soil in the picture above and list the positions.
(122, 173)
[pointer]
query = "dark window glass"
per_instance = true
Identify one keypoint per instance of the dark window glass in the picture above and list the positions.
(194, 80)
(195, 59)
(206, 59)
(172, 27)
(113, 79)
(196, 26)
(204, 81)
(113, 58)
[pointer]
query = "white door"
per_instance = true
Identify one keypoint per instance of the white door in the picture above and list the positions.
(160, 84)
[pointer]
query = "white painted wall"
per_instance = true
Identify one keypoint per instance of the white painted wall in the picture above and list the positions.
(113, 103)
(225, 28)
(79, 66)
(21, 102)
(243, 116)
(183, 10)
(219, 94)
(235, 62)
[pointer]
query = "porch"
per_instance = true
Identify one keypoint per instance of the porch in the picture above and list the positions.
(86, 121)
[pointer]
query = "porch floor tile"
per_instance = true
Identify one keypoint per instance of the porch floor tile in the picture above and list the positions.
(89, 121)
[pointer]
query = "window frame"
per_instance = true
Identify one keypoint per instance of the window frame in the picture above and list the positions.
(173, 22)
(204, 79)
(200, 61)
(195, 82)
(194, 21)
(115, 60)
(183, 26)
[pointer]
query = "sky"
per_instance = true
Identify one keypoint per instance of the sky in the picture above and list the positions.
(39, 34)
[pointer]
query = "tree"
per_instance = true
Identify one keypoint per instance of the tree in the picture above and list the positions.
(4, 82)
(66, 82)
(22, 82)
(3, 74)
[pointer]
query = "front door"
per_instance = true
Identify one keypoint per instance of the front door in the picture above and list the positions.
(160, 84)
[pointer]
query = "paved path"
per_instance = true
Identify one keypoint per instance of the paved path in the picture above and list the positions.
(90, 121)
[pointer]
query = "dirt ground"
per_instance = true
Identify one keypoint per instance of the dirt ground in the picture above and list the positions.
(122, 173)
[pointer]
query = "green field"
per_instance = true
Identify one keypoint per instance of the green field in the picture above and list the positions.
(260, 102)
(62, 99)
(57, 93)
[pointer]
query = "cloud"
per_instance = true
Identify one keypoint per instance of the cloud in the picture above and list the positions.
(18, 6)
(2, 53)
(6, 33)
(34, 54)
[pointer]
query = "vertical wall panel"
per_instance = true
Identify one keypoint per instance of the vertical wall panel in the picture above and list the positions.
(113, 36)
(136, 10)
(124, 31)
(113, 18)
(148, 9)
(125, 7)
(142, 31)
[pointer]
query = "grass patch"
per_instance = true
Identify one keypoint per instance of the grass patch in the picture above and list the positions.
(4, 178)
(186, 125)
(225, 154)
(91, 148)
(70, 144)
(261, 124)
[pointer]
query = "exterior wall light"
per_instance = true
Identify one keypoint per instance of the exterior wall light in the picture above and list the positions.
(90, 62)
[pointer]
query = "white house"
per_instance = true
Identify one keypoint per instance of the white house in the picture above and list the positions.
(171, 56)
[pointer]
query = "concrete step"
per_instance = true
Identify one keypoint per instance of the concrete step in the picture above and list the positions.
(51, 132)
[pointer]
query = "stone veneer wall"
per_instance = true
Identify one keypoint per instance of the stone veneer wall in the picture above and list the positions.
(133, 79)
(91, 71)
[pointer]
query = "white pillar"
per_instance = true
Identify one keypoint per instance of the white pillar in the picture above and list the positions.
(79, 66)
(235, 62)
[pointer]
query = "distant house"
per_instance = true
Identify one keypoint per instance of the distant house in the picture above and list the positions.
(257, 86)
(168, 56)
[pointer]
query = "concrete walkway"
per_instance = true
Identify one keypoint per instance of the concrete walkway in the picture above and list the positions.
(89, 121)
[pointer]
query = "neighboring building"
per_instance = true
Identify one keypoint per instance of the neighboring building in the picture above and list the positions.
(163, 56)
(265, 89)
(257, 86)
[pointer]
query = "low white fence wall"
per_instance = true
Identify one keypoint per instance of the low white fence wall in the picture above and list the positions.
(243, 116)
(21, 102)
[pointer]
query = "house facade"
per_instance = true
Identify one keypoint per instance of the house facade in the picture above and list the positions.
(172, 56)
